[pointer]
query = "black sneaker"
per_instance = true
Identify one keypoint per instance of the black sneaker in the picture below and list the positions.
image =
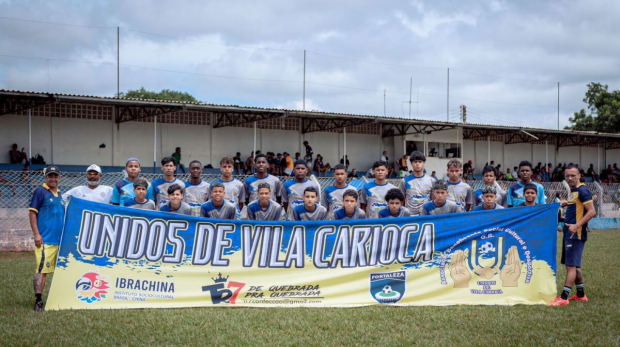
(38, 307)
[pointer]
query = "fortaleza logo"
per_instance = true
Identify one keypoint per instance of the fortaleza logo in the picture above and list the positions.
(388, 287)
(221, 293)
(92, 287)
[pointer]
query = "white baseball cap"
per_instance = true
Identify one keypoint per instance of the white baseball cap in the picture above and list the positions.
(94, 167)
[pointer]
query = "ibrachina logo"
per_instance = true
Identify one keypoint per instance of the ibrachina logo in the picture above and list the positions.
(92, 287)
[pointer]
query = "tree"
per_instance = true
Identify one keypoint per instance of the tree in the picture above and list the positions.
(165, 94)
(604, 107)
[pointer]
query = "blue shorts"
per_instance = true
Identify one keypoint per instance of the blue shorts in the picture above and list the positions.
(572, 251)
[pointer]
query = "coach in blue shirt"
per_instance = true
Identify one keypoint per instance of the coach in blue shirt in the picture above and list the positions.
(47, 214)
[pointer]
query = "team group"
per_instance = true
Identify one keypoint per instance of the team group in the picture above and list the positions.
(302, 199)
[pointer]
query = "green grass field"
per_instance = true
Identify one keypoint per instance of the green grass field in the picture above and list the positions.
(596, 323)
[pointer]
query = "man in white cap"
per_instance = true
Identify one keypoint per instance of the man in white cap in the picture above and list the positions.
(92, 191)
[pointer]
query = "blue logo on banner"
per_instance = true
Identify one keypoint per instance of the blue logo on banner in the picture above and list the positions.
(388, 287)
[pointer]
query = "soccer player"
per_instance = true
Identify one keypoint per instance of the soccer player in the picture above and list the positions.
(196, 190)
(373, 193)
(234, 191)
(140, 188)
(293, 192)
(310, 209)
(440, 204)
(251, 183)
(218, 207)
(123, 189)
(458, 191)
(575, 235)
(530, 194)
(489, 199)
(46, 214)
(333, 195)
(92, 191)
(516, 191)
(395, 199)
(417, 187)
(349, 208)
(160, 185)
(175, 203)
(265, 208)
(488, 176)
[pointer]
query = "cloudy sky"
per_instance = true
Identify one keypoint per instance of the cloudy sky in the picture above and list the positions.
(505, 58)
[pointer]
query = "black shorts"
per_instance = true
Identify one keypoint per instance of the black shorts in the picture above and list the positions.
(572, 252)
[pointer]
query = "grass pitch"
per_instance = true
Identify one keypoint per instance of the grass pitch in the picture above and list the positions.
(596, 323)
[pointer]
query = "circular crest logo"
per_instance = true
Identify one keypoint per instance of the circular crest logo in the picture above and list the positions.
(92, 287)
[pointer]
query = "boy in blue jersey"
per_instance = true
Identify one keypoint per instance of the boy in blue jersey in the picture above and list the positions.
(395, 199)
(440, 203)
(218, 207)
(349, 208)
(489, 199)
(310, 210)
(417, 187)
(234, 191)
(196, 190)
(334, 194)
(372, 195)
(140, 200)
(515, 192)
(262, 175)
(530, 195)
(488, 176)
(175, 203)
(46, 214)
(160, 185)
(293, 192)
(459, 192)
(123, 189)
(265, 208)
(575, 235)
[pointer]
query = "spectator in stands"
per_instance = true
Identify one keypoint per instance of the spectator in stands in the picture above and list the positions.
(498, 171)
(385, 158)
(353, 174)
(238, 163)
(469, 169)
(271, 160)
(249, 164)
(6, 182)
(92, 191)
(288, 170)
(177, 157)
(434, 175)
(342, 161)
(297, 155)
(508, 176)
(591, 174)
(277, 165)
(402, 165)
(309, 153)
(370, 173)
(17, 157)
(557, 173)
(320, 167)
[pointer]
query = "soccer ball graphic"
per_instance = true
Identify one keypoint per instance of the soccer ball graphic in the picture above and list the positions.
(487, 247)
(387, 289)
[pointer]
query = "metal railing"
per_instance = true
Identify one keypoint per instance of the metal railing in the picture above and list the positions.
(16, 189)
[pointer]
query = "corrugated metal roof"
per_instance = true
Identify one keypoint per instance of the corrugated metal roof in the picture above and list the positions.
(380, 119)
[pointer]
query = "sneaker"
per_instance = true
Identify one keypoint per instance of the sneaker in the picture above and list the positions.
(38, 307)
(575, 297)
(559, 302)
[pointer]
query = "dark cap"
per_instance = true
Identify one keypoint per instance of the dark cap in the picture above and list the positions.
(51, 169)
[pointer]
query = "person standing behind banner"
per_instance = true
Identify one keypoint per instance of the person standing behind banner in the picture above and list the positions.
(488, 176)
(251, 183)
(124, 189)
(575, 235)
(349, 208)
(92, 191)
(395, 199)
(160, 185)
(515, 191)
(440, 204)
(489, 199)
(140, 201)
(333, 195)
(372, 195)
(234, 191)
(47, 215)
(458, 191)
(265, 208)
(217, 207)
(196, 190)
(175, 203)
(310, 210)
(418, 186)
(293, 192)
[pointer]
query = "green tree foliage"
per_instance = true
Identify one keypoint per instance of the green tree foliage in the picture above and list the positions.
(604, 108)
(165, 94)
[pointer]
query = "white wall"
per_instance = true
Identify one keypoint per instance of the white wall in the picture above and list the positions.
(568, 155)
(517, 152)
(613, 156)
